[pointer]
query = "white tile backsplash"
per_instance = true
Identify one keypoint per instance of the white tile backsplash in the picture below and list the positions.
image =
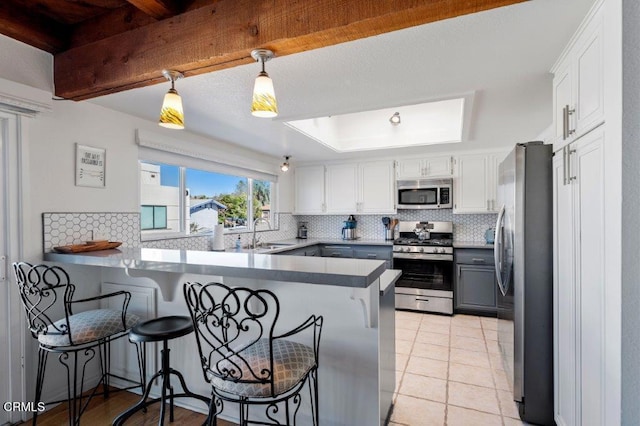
(61, 229)
(466, 227)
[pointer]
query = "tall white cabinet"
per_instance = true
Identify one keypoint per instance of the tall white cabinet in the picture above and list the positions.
(580, 290)
(579, 282)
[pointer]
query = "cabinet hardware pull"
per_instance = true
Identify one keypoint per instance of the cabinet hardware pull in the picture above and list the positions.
(476, 260)
(372, 255)
(420, 299)
(574, 177)
(565, 165)
(488, 208)
(570, 131)
(565, 122)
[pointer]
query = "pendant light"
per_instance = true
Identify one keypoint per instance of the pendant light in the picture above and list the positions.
(171, 115)
(264, 98)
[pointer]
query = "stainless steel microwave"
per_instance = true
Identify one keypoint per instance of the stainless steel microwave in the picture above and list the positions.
(425, 194)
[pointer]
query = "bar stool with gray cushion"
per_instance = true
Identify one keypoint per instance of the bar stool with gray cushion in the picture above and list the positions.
(245, 361)
(46, 291)
(162, 330)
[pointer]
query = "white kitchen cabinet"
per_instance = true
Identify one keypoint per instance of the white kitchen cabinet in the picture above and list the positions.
(578, 83)
(377, 187)
(415, 168)
(476, 182)
(366, 188)
(342, 188)
(309, 190)
(579, 281)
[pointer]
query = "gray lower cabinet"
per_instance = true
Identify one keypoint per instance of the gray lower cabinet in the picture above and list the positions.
(475, 289)
(345, 251)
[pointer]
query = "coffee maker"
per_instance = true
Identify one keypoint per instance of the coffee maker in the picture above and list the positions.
(349, 228)
(302, 231)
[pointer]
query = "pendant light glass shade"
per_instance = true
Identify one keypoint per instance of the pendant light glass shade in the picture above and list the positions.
(172, 114)
(264, 102)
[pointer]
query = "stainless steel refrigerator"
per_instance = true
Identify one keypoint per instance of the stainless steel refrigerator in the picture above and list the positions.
(524, 262)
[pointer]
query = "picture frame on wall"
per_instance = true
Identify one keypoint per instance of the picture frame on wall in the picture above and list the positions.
(90, 166)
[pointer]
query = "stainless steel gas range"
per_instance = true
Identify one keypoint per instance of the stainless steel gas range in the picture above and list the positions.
(424, 253)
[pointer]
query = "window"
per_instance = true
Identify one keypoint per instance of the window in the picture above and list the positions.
(209, 199)
(153, 217)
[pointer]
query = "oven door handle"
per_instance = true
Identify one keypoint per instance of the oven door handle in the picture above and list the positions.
(422, 256)
(497, 251)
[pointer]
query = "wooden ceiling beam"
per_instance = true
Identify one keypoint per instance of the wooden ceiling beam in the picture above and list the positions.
(222, 35)
(31, 28)
(159, 9)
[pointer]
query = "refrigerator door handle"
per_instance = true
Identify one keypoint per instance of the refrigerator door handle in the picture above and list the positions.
(497, 251)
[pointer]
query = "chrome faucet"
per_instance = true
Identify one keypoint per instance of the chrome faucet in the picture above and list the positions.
(255, 222)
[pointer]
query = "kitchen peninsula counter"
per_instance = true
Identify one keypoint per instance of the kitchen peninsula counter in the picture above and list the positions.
(355, 297)
(328, 271)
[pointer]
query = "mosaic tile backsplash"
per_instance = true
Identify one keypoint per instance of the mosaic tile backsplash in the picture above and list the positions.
(61, 229)
(466, 227)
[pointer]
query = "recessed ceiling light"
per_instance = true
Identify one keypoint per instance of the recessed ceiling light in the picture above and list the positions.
(395, 119)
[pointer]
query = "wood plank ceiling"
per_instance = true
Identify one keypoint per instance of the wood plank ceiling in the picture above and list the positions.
(106, 46)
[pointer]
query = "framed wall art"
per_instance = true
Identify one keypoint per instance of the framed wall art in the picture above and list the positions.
(90, 166)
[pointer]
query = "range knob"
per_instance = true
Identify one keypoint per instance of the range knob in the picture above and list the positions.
(421, 249)
(442, 250)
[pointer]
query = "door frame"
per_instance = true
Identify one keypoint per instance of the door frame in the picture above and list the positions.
(12, 222)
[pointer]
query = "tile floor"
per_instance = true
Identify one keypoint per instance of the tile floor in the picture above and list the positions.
(449, 372)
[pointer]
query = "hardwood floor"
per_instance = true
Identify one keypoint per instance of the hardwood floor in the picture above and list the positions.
(101, 412)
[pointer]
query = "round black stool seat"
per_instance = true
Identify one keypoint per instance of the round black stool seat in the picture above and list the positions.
(159, 329)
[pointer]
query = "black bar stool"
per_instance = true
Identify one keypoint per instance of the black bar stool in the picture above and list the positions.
(156, 330)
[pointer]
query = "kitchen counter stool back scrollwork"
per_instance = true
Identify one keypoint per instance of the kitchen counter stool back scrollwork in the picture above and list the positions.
(76, 338)
(245, 361)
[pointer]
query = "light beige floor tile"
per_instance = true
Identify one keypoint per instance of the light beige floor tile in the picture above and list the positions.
(466, 321)
(476, 333)
(401, 362)
(436, 319)
(490, 335)
(403, 334)
(428, 367)
(489, 323)
(468, 343)
(496, 361)
(493, 347)
(398, 381)
(500, 378)
(457, 416)
(424, 387)
(433, 338)
(434, 328)
(513, 422)
(462, 356)
(408, 324)
(395, 424)
(409, 315)
(474, 397)
(403, 347)
(427, 350)
(472, 375)
(417, 412)
(507, 404)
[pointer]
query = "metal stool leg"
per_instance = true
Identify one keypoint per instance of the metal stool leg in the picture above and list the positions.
(42, 363)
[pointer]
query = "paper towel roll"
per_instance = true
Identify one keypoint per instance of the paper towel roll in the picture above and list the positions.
(217, 241)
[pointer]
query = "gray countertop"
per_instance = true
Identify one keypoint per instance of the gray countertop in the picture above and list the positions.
(314, 270)
(472, 244)
(295, 243)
